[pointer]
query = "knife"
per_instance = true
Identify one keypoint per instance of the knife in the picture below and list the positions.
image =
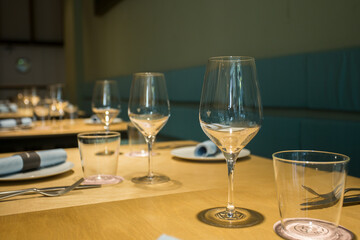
(49, 189)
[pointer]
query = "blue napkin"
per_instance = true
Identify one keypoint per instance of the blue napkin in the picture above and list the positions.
(7, 123)
(27, 161)
(95, 119)
(206, 149)
(8, 107)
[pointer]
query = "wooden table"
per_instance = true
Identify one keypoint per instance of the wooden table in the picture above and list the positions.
(58, 133)
(130, 211)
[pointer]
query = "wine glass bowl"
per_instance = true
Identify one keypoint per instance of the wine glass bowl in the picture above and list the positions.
(149, 110)
(42, 111)
(230, 114)
(106, 101)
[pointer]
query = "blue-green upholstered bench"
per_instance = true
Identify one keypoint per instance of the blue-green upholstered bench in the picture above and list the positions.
(311, 101)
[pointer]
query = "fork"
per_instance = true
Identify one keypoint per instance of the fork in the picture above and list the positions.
(330, 194)
(327, 199)
(44, 193)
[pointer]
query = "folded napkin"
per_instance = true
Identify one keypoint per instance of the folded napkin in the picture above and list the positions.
(31, 161)
(8, 107)
(95, 119)
(7, 123)
(206, 149)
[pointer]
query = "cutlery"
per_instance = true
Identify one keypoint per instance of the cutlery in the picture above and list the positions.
(48, 189)
(330, 199)
(45, 193)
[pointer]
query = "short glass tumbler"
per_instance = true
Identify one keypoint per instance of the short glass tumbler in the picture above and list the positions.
(310, 190)
(99, 152)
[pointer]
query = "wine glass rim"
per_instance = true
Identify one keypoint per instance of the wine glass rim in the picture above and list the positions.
(147, 74)
(97, 134)
(231, 58)
(345, 158)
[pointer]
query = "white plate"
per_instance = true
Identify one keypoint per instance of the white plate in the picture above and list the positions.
(41, 173)
(188, 153)
(90, 121)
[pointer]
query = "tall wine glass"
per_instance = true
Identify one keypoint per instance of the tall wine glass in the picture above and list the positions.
(230, 115)
(149, 110)
(106, 101)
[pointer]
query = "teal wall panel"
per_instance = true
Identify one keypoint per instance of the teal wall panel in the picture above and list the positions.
(333, 136)
(283, 81)
(276, 134)
(334, 80)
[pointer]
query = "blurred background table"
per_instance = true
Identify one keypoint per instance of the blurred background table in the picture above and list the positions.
(57, 133)
(130, 211)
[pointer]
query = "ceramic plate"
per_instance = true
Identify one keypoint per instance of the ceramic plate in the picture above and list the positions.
(188, 153)
(90, 121)
(41, 173)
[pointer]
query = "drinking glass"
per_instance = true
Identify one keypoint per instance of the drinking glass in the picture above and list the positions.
(310, 189)
(230, 114)
(106, 101)
(99, 153)
(149, 110)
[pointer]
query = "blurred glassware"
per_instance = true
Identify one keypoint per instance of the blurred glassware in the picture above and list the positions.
(34, 98)
(42, 111)
(24, 104)
(106, 101)
(56, 92)
(60, 106)
(71, 111)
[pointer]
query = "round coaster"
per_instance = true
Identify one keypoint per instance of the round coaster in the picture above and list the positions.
(298, 234)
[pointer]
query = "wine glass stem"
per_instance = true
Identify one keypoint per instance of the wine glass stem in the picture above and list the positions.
(230, 208)
(150, 140)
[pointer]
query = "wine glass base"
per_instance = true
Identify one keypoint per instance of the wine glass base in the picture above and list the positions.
(241, 218)
(154, 179)
(302, 229)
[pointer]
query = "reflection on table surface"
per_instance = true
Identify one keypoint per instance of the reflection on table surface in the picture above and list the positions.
(59, 127)
(130, 211)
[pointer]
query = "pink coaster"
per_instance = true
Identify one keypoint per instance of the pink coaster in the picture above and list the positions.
(298, 230)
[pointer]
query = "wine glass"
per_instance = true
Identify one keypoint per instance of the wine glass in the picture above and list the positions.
(106, 101)
(42, 111)
(58, 103)
(230, 114)
(149, 110)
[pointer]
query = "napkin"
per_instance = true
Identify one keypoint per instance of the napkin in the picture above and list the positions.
(95, 119)
(206, 149)
(31, 161)
(7, 123)
(8, 107)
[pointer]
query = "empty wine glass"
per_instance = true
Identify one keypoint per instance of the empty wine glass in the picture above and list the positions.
(230, 114)
(106, 101)
(58, 103)
(149, 110)
(42, 111)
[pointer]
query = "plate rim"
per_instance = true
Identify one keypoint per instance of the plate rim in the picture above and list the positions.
(214, 158)
(67, 165)
(88, 121)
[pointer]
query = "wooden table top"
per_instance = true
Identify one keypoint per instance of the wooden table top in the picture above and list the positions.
(59, 127)
(130, 211)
